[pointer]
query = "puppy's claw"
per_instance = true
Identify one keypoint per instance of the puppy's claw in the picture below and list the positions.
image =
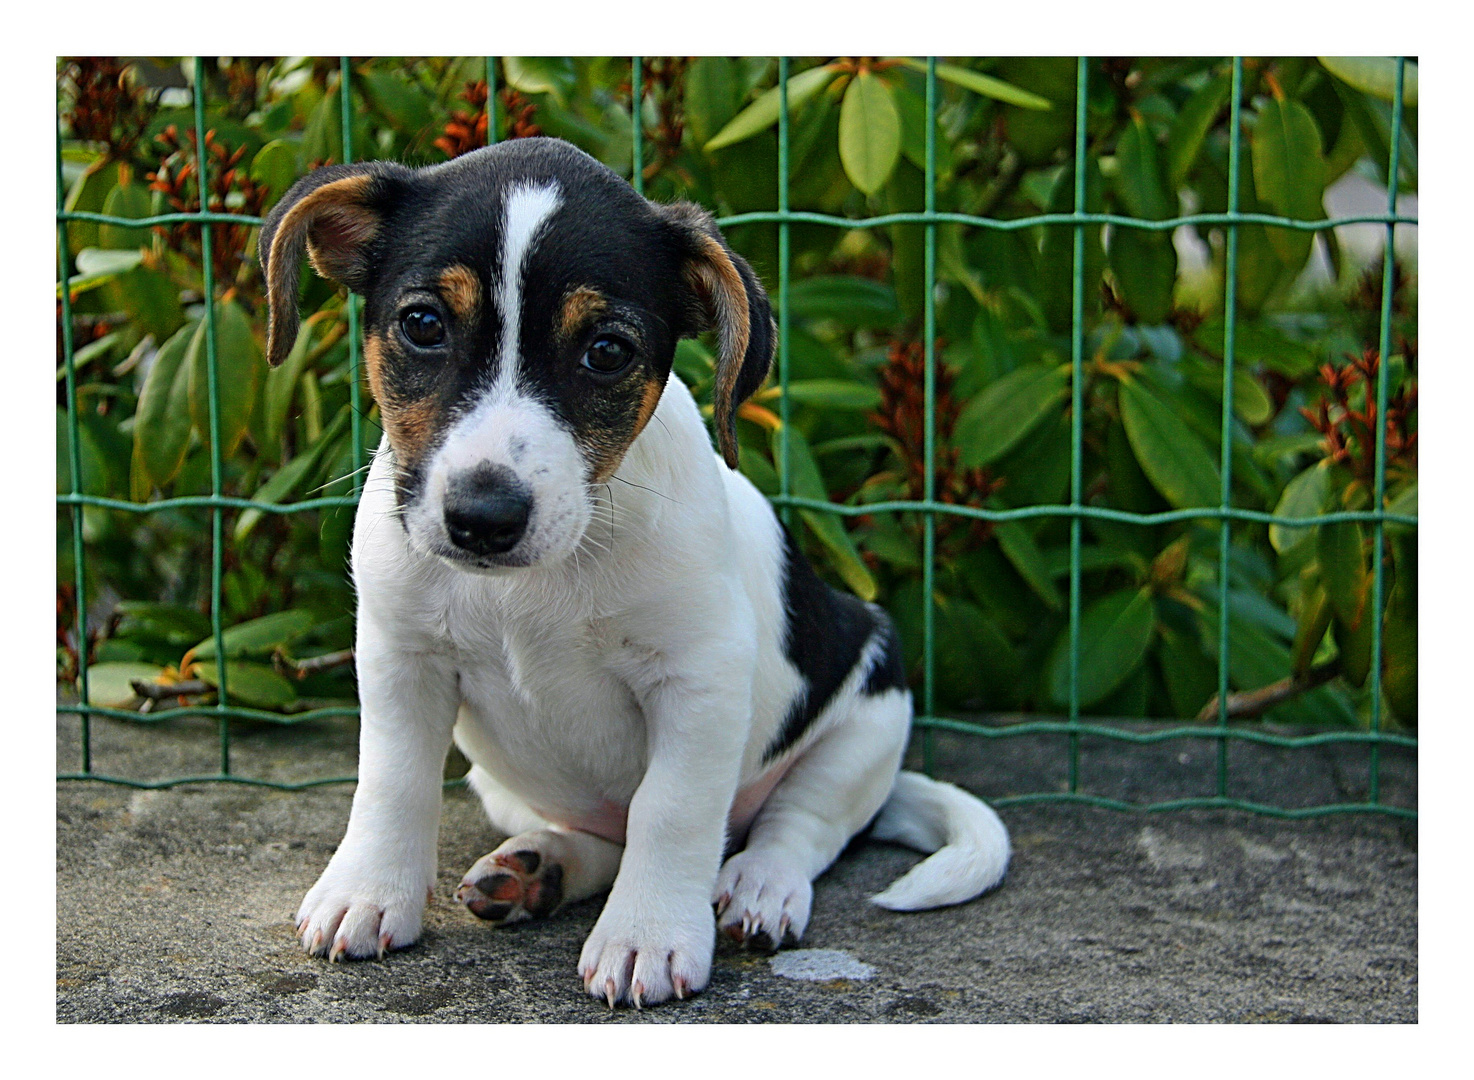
(609, 992)
(635, 992)
(340, 946)
(383, 945)
(680, 985)
(316, 943)
(723, 901)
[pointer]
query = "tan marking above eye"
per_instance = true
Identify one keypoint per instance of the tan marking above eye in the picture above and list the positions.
(579, 306)
(462, 290)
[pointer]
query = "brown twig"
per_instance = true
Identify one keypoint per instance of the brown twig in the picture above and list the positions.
(300, 669)
(163, 691)
(1252, 703)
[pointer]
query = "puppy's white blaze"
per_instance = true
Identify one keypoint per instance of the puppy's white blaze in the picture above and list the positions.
(526, 211)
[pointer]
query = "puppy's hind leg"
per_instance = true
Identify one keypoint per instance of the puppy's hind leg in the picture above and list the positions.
(764, 892)
(539, 868)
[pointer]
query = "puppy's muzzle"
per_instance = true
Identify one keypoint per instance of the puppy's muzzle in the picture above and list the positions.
(487, 510)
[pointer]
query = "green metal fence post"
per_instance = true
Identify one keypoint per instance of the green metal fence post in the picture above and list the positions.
(355, 377)
(217, 514)
(1384, 350)
(1077, 408)
(493, 121)
(785, 480)
(929, 549)
(1230, 324)
(74, 459)
(637, 123)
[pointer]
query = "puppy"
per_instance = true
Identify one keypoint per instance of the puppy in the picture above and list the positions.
(556, 572)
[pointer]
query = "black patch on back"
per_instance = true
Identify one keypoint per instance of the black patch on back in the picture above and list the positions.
(888, 672)
(826, 630)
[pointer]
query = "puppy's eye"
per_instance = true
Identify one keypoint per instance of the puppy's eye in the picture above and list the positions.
(423, 327)
(608, 354)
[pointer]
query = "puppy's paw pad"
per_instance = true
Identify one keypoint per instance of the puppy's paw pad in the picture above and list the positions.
(762, 902)
(509, 886)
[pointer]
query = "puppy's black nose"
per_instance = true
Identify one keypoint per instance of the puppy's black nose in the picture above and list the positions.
(486, 510)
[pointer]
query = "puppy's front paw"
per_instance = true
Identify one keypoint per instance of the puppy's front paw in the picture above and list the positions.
(645, 957)
(357, 914)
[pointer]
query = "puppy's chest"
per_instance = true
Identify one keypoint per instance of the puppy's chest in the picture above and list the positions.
(548, 653)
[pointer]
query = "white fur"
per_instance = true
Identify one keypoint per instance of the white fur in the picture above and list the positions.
(527, 210)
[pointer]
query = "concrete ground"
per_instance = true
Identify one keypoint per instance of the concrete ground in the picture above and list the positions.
(175, 905)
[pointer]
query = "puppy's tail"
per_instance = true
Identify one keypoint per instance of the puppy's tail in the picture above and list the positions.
(969, 841)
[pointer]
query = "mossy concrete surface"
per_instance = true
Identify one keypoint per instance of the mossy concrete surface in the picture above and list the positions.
(175, 905)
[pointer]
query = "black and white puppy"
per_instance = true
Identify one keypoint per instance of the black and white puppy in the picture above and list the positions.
(556, 572)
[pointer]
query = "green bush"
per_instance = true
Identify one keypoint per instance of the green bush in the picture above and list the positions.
(1307, 357)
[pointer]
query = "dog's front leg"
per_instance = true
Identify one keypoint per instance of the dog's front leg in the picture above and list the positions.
(371, 896)
(655, 937)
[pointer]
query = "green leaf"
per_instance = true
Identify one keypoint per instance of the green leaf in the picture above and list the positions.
(1139, 177)
(853, 301)
(98, 266)
(763, 113)
(1190, 677)
(1057, 249)
(869, 132)
(1306, 495)
(275, 168)
(711, 96)
(161, 429)
(1250, 400)
(1115, 633)
(250, 684)
(1375, 75)
(1019, 548)
(293, 474)
(1354, 643)
(997, 419)
(979, 83)
(109, 685)
(240, 373)
(1257, 345)
(1405, 502)
(834, 394)
(1144, 264)
(1173, 458)
(1191, 126)
(975, 662)
(258, 637)
(128, 201)
(807, 482)
(1315, 618)
(552, 75)
(401, 102)
(1289, 172)
(170, 624)
(1340, 546)
(88, 193)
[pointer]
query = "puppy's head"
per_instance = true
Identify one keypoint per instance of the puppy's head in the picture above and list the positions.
(522, 307)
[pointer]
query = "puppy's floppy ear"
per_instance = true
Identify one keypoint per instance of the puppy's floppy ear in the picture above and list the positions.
(334, 213)
(723, 293)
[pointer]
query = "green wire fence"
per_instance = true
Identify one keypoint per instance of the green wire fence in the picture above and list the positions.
(1076, 511)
